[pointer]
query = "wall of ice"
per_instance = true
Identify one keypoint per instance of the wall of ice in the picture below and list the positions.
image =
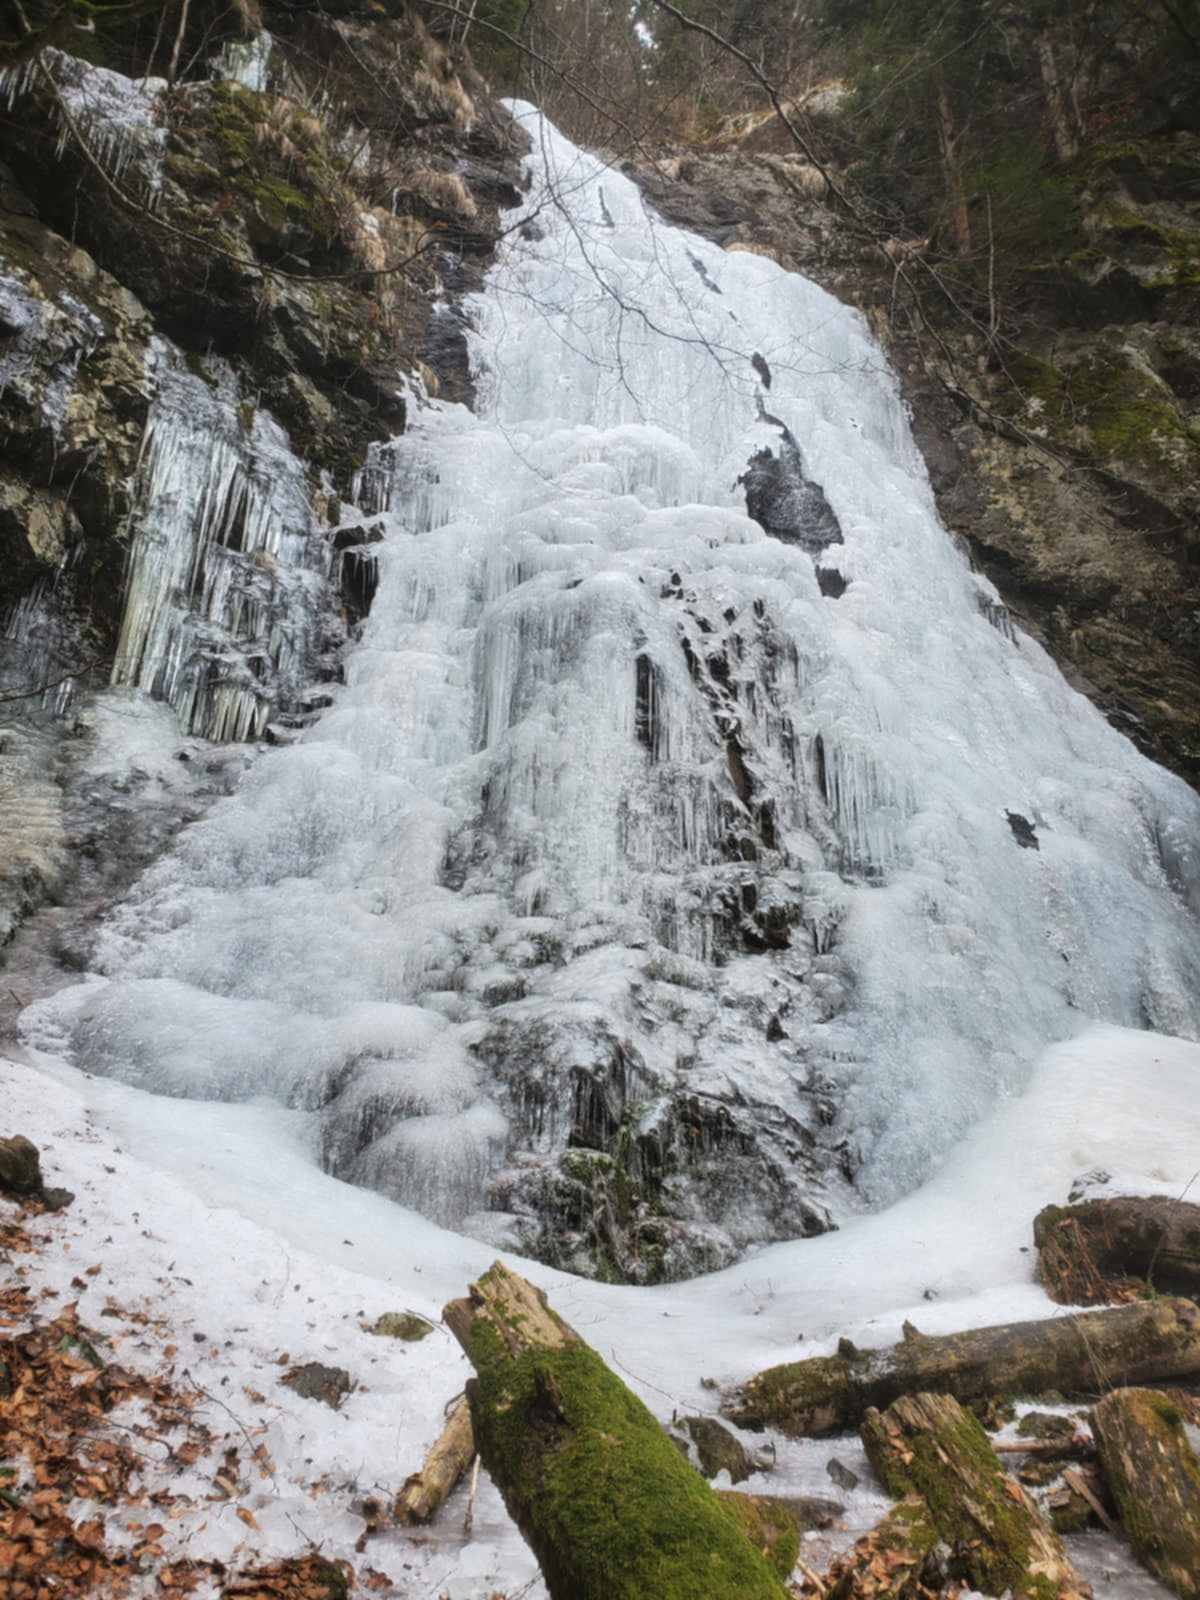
(226, 587)
(753, 862)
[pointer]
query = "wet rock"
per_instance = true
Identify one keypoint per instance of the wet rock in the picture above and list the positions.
(842, 1475)
(315, 1381)
(1023, 831)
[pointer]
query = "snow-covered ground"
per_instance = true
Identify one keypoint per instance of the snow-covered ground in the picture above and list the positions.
(215, 1217)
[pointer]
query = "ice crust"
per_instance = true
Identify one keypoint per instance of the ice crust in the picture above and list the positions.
(615, 799)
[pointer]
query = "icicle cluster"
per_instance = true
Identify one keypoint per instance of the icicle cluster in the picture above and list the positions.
(226, 582)
(117, 118)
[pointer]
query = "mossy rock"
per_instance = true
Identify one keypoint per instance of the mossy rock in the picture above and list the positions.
(406, 1325)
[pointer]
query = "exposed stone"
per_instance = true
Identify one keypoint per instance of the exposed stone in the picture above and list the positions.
(718, 1450)
(20, 1166)
(315, 1381)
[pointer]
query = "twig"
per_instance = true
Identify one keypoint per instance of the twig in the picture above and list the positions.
(1076, 1481)
(469, 1519)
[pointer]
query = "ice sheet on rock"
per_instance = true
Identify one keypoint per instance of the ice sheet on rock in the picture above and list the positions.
(697, 864)
(245, 61)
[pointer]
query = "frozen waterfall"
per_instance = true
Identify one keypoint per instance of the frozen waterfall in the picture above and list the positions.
(660, 881)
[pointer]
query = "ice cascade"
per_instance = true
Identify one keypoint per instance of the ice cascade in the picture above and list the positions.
(662, 879)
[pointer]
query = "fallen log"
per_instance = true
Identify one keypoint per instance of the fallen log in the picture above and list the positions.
(606, 1502)
(1154, 1478)
(1088, 1253)
(1084, 1354)
(927, 1446)
(426, 1492)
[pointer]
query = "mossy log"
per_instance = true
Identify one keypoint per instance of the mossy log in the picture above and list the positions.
(771, 1525)
(1154, 1478)
(929, 1446)
(1086, 1253)
(606, 1502)
(426, 1492)
(1085, 1354)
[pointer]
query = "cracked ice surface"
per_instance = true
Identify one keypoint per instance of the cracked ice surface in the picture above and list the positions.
(620, 822)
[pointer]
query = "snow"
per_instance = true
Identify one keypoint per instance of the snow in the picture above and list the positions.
(218, 1220)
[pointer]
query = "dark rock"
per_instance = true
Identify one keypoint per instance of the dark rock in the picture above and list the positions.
(56, 1199)
(1023, 831)
(718, 1450)
(1045, 1425)
(315, 1381)
(20, 1166)
(842, 1475)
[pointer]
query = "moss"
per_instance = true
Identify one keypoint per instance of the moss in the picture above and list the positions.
(404, 1325)
(607, 1503)
(1107, 404)
(769, 1526)
(1133, 1426)
(802, 1397)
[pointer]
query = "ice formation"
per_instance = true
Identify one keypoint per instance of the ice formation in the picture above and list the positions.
(653, 877)
(227, 571)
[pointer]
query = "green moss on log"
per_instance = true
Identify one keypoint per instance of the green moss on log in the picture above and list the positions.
(608, 1505)
(769, 1526)
(1154, 1478)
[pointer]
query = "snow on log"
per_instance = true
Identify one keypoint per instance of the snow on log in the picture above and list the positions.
(927, 1446)
(1154, 1477)
(605, 1500)
(425, 1492)
(1087, 1252)
(1084, 1354)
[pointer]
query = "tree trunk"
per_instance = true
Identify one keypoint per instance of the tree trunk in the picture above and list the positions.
(1086, 1252)
(927, 1446)
(1154, 1477)
(426, 1492)
(1084, 1354)
(1062, 121)
(606, 1502)
(948, 138)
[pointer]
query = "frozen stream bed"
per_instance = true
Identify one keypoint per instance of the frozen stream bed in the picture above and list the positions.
(219, 1220)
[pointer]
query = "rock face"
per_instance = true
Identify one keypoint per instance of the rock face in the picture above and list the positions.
(1069, 465)
(210, 292)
